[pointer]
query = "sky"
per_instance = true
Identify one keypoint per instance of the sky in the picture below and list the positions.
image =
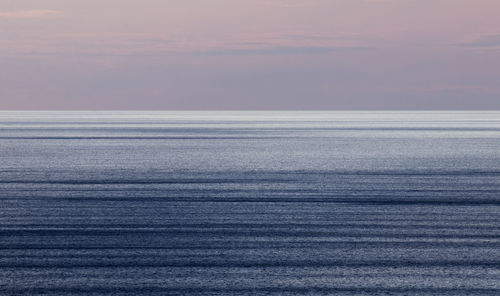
(250, 54)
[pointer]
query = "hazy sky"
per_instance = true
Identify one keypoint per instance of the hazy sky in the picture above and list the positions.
(250, 54)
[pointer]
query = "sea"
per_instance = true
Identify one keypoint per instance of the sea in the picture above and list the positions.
(249, 203)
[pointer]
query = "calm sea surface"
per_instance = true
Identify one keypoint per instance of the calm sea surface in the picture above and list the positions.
(250, 203)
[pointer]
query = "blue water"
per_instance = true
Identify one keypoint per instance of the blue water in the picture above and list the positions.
(250, 203)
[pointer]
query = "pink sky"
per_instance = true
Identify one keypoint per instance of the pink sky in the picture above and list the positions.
(250, 54)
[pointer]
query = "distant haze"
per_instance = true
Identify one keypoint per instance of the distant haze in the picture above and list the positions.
(250, 54)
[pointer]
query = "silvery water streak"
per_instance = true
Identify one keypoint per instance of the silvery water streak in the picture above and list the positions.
(250, 203)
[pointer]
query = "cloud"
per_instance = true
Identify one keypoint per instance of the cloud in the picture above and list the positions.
(287, 3)
(486, 41)
(283, 43)
(27, 14)
(278, 50)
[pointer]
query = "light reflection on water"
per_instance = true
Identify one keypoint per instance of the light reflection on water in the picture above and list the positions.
(226, 203)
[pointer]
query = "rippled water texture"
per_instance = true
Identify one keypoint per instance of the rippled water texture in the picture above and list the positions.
(250, 203)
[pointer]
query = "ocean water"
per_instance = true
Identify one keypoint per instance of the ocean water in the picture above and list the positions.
(249, 203)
